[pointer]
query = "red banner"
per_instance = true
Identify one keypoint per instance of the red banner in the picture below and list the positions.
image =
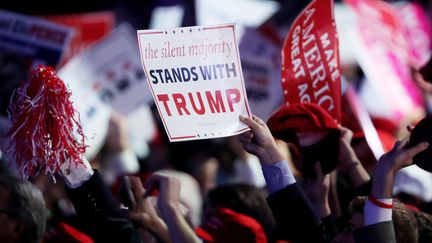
(89, 28)
(310, 59)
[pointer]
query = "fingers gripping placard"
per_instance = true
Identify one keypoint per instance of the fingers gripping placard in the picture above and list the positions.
(196, 80)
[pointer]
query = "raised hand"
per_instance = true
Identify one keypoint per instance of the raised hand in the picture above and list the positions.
(347, 156)
(390, 163)
(317, 190)
(169, 208)
(143, 212)
(349, 163)
(169, 192)
(259, 141)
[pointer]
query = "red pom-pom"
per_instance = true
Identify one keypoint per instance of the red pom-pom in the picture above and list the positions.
(43, 134)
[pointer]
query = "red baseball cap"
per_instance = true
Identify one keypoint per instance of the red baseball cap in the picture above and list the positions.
(287, 121)
(226, 226)
(305, 125)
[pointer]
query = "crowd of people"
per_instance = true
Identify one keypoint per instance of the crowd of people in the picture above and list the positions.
(191, 206)
(300, 177)
(191, 200)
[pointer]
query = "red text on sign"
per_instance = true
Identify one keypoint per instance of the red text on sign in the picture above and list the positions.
(199, 103)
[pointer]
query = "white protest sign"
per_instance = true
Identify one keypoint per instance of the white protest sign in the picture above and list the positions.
(94, 115)
(261, 61)
(113, 71)
(196, 80)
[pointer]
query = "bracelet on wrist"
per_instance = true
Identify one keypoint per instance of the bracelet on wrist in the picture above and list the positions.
(378, 203)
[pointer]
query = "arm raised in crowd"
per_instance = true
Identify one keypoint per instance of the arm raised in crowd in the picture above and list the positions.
(317, 190)
(296, 220)
(390, 163)
(259, 141)
(378, 226)
(349, 162)
(99, 214)
(350, 169)
(144, 213)
(169, 208)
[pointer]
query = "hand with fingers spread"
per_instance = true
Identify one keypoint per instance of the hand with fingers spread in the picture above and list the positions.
(169, 192)
(317, 191)
(390, 163)
(144, 213)
(169, 207)
(259, 141)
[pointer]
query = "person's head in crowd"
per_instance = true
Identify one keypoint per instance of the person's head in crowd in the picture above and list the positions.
(227, 226)
(424, 222)
(314, 132)
(23, 213)
(405, 223)
(199, 159)
(243, 199)
(230, 150)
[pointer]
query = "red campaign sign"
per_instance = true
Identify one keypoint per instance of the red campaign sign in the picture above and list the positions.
(89, 28)
(310, 59)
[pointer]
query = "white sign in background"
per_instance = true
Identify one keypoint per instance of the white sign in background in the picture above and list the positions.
(94, 115)
(107, 76)
(261, 60)
(113, 71)
(196, 80)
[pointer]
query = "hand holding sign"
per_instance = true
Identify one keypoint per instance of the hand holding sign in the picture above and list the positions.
(196, 80)
(259, 141)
